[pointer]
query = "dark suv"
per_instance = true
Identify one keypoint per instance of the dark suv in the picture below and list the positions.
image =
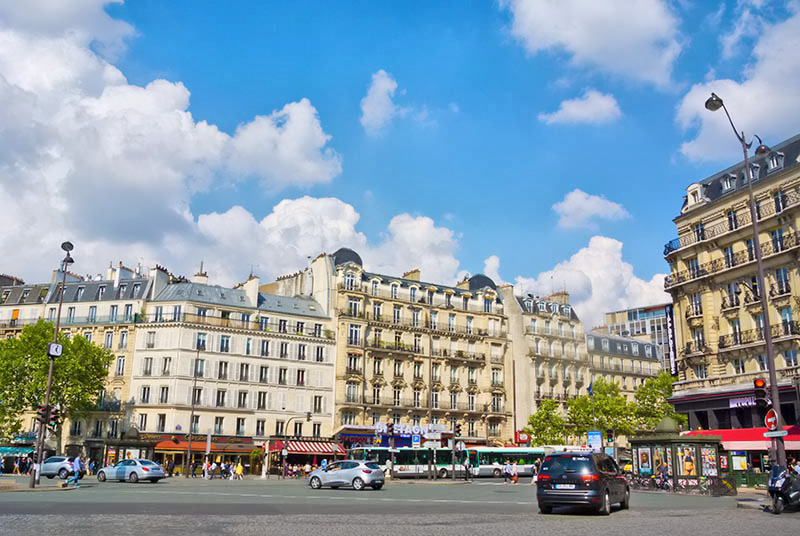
(592, 480)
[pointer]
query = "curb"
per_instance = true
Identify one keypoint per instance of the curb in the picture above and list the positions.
(33, 490)
(751, 504)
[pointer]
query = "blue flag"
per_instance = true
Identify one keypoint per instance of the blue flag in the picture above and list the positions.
(591, 391)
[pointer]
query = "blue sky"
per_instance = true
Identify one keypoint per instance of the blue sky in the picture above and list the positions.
(546, 143)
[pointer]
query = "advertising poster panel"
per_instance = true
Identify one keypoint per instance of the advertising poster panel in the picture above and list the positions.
(687, 457)
(709, 457)
(645, 461)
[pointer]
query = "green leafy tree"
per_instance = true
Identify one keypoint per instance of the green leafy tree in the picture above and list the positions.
(606, 409)
(652, 402)
(79, 375)
(547, 426)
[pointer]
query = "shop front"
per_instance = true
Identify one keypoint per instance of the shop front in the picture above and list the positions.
(301, 452)
(748, 450)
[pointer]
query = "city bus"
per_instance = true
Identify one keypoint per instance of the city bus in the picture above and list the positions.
(489, 461)
(410, 462)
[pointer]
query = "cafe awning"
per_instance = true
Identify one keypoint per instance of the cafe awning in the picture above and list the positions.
(750, 438)
(16, 451)
(308, 447)
(200, 446)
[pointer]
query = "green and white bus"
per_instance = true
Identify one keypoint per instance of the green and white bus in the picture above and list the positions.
(489, 461)
(410, 462)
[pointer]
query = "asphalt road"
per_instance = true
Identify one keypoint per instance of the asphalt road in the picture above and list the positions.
(180, 506)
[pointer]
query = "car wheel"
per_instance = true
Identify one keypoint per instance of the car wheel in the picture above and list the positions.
(101, 476)
(358, 484)
(63, 474)
(497, 473)
(133, 478)
(545, 509)
(315, 483)
(377, 486)
(626, 502)
(605, 506)
(443, 473)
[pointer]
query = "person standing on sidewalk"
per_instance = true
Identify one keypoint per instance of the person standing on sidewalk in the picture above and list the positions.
(506, 472)
(76, 472)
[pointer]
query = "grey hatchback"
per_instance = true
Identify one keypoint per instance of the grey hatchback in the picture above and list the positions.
(59, 466)
(356, 473)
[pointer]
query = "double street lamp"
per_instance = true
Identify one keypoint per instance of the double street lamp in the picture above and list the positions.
(53, 350)
(713, 104)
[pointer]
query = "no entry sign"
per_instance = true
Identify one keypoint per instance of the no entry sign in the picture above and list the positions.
(771, 420)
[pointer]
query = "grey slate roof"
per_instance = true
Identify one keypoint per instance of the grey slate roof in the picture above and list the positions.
(625, 344)
(297, 305)
(714, 187)
(535, 306)
(202, 293)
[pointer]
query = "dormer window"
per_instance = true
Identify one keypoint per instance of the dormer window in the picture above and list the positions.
(728, 183)
(754, 171)
(695, 197)
(774, 162)
(349, 282)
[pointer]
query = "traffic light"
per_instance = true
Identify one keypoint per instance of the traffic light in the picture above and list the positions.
(390, 428)
(55, 417)
(457, 430)
(610, 435)
(760, 391)
(43, 414)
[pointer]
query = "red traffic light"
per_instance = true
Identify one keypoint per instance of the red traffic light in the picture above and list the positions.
(760, 383)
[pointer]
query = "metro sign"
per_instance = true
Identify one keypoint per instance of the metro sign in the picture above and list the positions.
(771, 420)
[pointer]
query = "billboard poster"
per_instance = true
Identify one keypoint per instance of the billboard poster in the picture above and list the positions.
(594, 439)
(709, 457)
(659, 458)
(687, 460)
(673, 365)
(645, 461)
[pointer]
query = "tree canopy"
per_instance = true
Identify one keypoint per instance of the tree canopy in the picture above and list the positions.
(606, 409)
(652, 404)
(546, 426)
(79, 375)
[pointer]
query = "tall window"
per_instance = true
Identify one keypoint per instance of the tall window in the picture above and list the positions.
(219, 425)
(164, 395)
(148, 366)
(120, 370)
(354, 335)
(696, 303)
(222, 370)
(394, 292)
(221, 393)
(244, 372)
(263, 373)
(791, 358)
(417, 370)
(225, 343)
(782, 281)
(349, 282)
(398, 367)
(732, 223)
(730, 259)
(261, 401)
(397, 314)
(200, 343)
(301, 352)
(145, 394)
(777, 240)
(762, 362)
(264, 348)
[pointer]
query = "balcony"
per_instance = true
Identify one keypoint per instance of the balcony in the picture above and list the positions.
(247, 324)
(353, 370)
(742, 219)
(498, 384)
(768, 249)
(694, 348)
(756, 336)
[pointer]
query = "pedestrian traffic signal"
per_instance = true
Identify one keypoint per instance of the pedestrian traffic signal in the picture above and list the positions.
(55, 418)
(43, 414)
(610, 435)
(390, 428)
(760, 391)
(457, 430)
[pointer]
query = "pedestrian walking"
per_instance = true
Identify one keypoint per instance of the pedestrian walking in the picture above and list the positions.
(514, 473)
(194, 469)
(212, 470)
(506, 472)
(171, 466)
(76, 472)
(16, 467)
(239, 471)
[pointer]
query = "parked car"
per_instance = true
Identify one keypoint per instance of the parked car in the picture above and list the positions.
(60, 466)
(132, 470)
(356, 473)
(572, 478)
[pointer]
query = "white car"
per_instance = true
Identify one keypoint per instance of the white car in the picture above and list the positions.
(132, 470)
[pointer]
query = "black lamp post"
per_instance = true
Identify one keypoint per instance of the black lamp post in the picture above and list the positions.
(713, 104)
(53, 350)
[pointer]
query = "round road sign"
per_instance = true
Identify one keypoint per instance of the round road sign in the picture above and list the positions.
(771, 420)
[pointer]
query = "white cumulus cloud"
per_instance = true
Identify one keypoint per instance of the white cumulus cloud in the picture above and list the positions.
(579, 209)
(598, 280)
(593, 107)
(634, 39)
(378, 107)
(764, 102)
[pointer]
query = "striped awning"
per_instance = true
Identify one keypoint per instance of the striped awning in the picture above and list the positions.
(308, 447)
(16, 451)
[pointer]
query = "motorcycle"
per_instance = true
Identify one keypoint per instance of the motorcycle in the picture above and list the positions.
(783, 488)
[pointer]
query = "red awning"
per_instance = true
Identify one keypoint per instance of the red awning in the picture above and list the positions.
(750, 438)
(308, 447)
(200, 446)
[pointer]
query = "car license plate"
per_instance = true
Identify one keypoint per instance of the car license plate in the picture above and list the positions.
(565, 486)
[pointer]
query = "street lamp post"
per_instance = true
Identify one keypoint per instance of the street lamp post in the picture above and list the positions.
(191, 415)
(53, 351)
(713, 104)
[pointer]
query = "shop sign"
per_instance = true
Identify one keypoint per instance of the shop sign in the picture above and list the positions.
(742, 402)
(409, 429)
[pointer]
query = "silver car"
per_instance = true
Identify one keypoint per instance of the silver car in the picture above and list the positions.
(60, 466)
(132, 470)
(356, 473)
